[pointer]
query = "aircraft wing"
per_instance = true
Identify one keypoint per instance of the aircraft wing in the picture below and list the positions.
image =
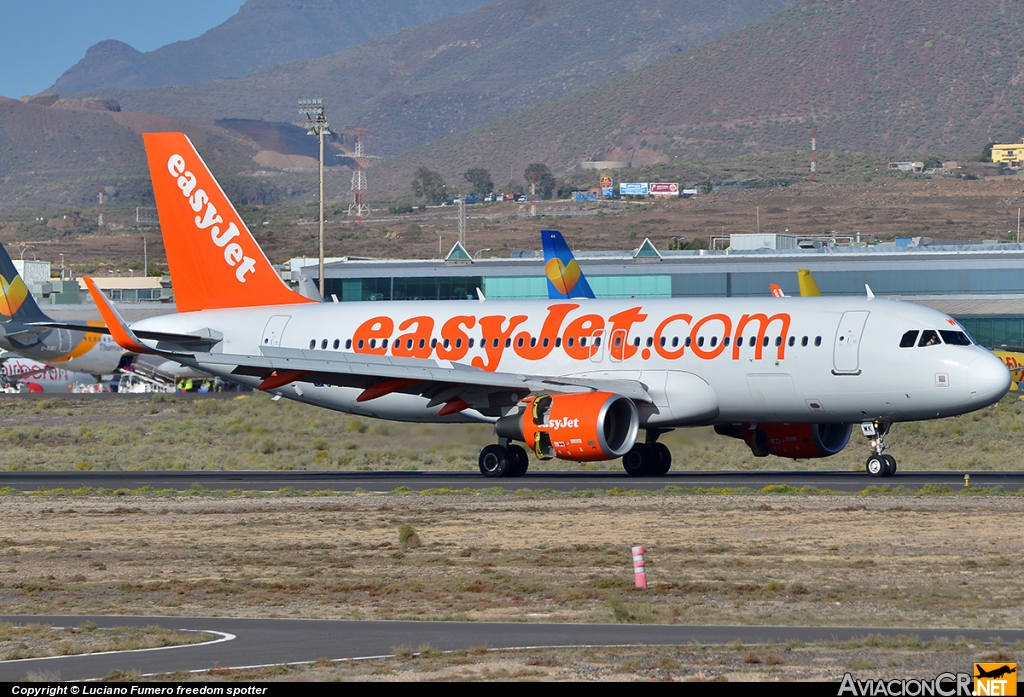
(440, 381)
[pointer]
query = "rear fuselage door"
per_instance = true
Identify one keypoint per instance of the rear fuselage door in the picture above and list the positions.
(274, 330)
(846, 354)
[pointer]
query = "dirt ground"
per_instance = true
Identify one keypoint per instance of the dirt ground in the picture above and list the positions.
(940, 207)
(864, 560)
(847, 560)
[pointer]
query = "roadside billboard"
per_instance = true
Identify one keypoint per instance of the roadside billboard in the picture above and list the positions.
(606, 187)
(633, 189)
(663, 189)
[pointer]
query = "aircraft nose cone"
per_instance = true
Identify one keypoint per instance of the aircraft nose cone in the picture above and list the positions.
(988, 379)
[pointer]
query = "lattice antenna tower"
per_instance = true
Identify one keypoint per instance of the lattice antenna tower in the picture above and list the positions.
(814, 153)
(357, 201)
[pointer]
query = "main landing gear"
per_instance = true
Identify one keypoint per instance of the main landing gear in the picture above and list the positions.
(504, 459)
(879, 464)
(648, 459)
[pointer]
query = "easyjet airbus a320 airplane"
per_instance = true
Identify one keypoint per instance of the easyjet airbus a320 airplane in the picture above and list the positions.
(574, 379)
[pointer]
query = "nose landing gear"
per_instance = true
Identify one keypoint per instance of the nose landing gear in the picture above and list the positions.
(879, 464)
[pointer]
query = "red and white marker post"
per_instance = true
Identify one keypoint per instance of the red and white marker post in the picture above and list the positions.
(639, 568)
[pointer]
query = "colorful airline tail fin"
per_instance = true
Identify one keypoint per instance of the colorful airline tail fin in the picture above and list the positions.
(776, 290)
(16, 303)
(565, 279)
(808, 287)
(214, 260)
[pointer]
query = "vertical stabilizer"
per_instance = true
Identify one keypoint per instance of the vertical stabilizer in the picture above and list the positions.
(214, 260)
(808, 286)
(565, 278)
(16, 303)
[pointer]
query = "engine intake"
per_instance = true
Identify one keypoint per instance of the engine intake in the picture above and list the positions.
(579, 427)
(798, 441)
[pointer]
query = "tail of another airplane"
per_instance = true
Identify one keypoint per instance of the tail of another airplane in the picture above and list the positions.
(16, 303)
(214, 260)
(565, 279)
(808, 286)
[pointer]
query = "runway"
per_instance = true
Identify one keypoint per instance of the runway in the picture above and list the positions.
(564, 481)
(256, 642)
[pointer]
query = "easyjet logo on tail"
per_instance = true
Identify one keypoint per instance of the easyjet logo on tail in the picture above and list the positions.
(12, 295)
(209, 219)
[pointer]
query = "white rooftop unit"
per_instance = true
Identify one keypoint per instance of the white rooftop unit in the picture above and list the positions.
(33, 272)
(762, 241)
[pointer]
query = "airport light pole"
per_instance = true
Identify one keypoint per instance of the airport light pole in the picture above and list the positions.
(316, 124)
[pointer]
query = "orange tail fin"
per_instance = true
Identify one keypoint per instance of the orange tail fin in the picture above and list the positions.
(215, 262)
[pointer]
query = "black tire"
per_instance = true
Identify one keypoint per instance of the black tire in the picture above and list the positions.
(876, 466)
(663, 460)
(639, 461)
(520, 461)
(890, 465)
(495, 461)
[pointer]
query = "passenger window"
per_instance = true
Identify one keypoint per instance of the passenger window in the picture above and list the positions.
(636, 341)
(533, 341)
(650, 341)
(471, 343)
(558, 342)
(675, 341)
(569, 342)
(408, 344)
(519, 342)
(909, 339)
(597, 341)
(955, 338)
(348, 344)
(726, 340)
(508, 342)
(765, 341)
(312, 343)
(618, 341)
(792, 341)
(494, 343)
(778, 341)
(373, 343)
(739, 341)
(752, 341)
(458, 343)
(545, 342)
(423, 342)
(817, 341)
(583, 341)
(360, 344)
(323, 344)
(688, 342)
(662, 341)
(803, 342)
(384, 344)
(700, 341)
(336, 344)
(929, 337)
(714, 341)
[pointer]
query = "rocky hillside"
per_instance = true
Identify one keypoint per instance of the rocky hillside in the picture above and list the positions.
(263, 33)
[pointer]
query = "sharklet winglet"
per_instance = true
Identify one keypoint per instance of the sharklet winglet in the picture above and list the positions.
(119, 329)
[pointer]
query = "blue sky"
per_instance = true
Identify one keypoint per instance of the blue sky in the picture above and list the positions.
(40, 40)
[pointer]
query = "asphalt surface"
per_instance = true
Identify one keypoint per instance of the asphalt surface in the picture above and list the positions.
(559, 481)
(257, 642)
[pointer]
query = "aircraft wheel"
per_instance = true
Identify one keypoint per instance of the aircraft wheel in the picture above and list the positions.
(639, 461)
(876, 466)
(495, 461)
(520, 461)
(663, 461)
(890, 465)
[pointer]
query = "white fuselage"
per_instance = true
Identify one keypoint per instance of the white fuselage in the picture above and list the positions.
(799, 360)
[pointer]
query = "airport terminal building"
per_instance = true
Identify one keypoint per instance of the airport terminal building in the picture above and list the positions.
(981, 285)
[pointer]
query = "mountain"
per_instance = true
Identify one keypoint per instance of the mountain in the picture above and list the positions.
(873, 75)
(417, 85)
(262, 33)
(55, 152)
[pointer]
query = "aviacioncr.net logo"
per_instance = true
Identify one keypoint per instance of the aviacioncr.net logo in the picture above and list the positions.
(12, 295)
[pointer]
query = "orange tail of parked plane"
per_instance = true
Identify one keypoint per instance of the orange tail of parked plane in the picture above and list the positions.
(216, 263)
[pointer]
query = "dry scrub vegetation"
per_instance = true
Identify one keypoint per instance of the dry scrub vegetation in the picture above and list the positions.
(874, 658)
(861, 560)
(253, 432)
(34, 640)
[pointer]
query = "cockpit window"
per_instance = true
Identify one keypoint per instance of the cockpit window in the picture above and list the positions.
(955, 338)
(929, 337)
(909, 339)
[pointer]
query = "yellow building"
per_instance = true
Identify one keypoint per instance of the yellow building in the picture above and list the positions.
(1011, 154)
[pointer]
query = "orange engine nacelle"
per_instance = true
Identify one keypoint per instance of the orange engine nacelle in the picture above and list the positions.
(798, 441)
(579, 427)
